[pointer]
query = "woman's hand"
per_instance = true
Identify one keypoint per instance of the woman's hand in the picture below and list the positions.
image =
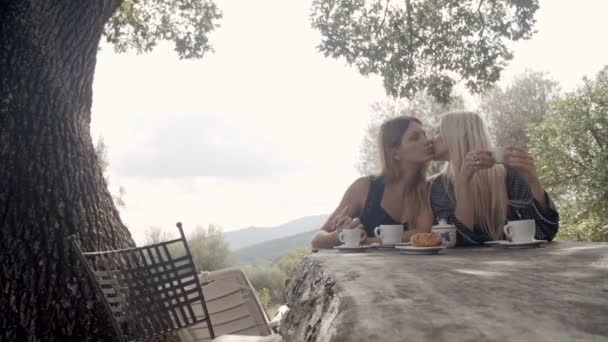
(328, 236)
(407, 235)
(474, 161)
(343, 221)
(517, 157)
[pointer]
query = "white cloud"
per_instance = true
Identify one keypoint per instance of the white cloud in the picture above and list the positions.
(197, 145)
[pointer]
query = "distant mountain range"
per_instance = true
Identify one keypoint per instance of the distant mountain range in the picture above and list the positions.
(269, 251)
(250, 236)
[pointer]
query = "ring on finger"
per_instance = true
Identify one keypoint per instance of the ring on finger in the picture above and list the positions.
(475, 157)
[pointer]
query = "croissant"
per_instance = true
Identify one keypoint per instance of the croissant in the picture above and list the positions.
(426, 240)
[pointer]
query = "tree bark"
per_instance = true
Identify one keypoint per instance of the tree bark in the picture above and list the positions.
(51, 185)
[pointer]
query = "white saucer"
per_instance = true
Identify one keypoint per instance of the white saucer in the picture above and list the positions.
(352, 249)
(495, 242)
(505, 243)
(419, 250)
(389, 246)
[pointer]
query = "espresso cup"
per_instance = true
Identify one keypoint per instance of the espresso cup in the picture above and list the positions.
(498, 153)
(520, 231)
(351, 237)
(389, 233)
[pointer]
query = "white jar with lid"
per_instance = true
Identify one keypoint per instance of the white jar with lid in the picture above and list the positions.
(447, 232)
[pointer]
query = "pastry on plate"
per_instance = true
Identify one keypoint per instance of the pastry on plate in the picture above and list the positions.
(426, 240)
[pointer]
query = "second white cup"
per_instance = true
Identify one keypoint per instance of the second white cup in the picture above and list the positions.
(389, 233)
(520, 231)
(499, 154)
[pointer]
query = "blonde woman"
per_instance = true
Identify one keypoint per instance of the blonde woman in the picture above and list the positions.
(479, 196)
(398, 195)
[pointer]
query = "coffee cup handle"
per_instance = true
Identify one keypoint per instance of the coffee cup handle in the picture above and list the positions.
(341, 237)
(507, 231)
(377, 232)
(363, 236)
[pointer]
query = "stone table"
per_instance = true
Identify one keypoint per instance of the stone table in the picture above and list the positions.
(553, 293)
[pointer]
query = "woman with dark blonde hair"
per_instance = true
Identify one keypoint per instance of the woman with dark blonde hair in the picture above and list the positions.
(478, 195)
(398, 195)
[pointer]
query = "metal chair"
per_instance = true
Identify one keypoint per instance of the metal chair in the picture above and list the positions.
(148, 291)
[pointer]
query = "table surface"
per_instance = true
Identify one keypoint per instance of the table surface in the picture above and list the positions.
(554, 293)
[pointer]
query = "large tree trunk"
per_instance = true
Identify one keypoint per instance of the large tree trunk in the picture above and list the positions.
(51, 185)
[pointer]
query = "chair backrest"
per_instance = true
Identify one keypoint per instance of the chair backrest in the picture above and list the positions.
(233, 305)
(148, 291)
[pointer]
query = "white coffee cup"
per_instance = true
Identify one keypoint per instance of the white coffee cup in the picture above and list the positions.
(499, 154)
(389, 233)
(520, 231)
(352, 237)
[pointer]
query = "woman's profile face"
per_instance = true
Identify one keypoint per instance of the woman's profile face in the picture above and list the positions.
(415, 147)
(440, 147)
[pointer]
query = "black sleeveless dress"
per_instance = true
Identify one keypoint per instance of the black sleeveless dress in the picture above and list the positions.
(373, 214)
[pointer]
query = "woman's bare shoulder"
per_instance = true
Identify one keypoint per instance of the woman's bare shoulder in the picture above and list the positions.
(357, 193)
(361, 183)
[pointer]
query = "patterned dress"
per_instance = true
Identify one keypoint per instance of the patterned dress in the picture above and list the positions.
(518, 191)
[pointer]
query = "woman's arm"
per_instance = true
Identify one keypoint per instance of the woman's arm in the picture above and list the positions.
(424, 223)
(342, 218)
(464, 209)
(525, 204)
(473, 162)
(523, 184)
(518, 158)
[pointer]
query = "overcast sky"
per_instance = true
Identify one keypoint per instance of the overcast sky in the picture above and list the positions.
(266, 129)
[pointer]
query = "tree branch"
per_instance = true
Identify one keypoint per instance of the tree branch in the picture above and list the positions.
(597, 139)
(385, 11)
(408, 8)
(483, 22)
(590, 129)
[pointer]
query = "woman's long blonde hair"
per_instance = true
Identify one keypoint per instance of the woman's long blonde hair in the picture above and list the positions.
(462, 133)
(389, 140)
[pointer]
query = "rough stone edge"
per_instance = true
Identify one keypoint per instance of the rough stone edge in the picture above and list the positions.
(314, 300)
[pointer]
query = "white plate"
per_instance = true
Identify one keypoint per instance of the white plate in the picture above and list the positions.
(353, 249)
(505, 243)
(419, 250)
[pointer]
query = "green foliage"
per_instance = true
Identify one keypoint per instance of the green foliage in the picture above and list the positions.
(572, 157)
(421, 106)
(267, 277)
(265, 298)
(101, 153)
(140, 25)
(288, 261)
(209, 249)
(269, 280)
(424, 44)
(156, 235)
(579, 223)
(526, 101)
